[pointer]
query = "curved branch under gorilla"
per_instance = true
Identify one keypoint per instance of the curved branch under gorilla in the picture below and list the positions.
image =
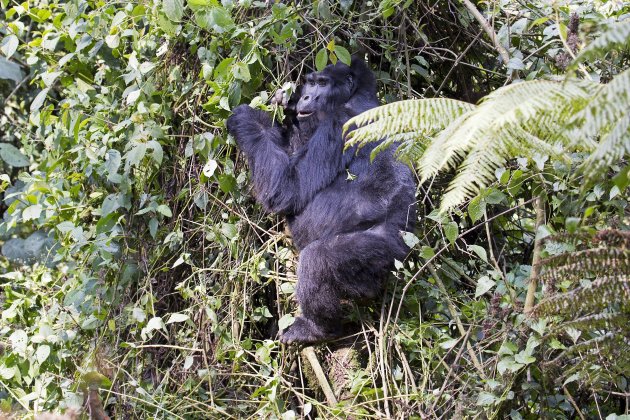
(345, 213)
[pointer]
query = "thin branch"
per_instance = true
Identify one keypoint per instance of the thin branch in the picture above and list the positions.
(505, 56)
(533, 275)
(309, 352)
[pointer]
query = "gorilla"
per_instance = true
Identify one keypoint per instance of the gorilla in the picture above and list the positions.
(345, 212)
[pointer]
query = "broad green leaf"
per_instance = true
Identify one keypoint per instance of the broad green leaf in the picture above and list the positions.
(153, 227)
(216, 19)
(10, 70)
(163, 209)
(451, 231)
(448, 344)
(427, 252)
(174, 9)
(286, 321)
(210, 167)
(39, 100)
(476, 209)
(42, 353)
(480, 251)
(343, 54)
(508, 364)
(49, 77)
(9, 45)
(12, 155)
(110, 204)
(486, 398)
(321, 59)
(19, 341)
(155, 323)
(524, 358)
(32, 212)
(177, 317)
(410, 239)
(484, 284)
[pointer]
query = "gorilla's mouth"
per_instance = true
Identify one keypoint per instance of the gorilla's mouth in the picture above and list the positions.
(304, 114)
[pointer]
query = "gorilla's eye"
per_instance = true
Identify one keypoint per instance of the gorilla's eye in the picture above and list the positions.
(322, 82)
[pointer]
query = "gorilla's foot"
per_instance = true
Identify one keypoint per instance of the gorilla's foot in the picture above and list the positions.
(305, 331)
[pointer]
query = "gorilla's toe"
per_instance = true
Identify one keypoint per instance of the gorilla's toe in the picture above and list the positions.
(305, 331)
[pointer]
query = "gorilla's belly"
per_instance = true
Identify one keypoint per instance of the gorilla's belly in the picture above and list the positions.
(342, 207)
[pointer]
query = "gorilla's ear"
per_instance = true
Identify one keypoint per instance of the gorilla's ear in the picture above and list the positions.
(350, 82)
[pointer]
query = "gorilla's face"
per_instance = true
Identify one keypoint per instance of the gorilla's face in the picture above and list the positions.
(325, 90)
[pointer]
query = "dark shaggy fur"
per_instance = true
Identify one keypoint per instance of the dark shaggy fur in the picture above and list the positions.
(345, 213)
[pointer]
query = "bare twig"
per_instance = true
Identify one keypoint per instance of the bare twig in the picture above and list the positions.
(309, 353)
(505, 56)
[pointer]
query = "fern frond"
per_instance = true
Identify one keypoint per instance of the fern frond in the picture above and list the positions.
(578, 264)
(603, 292)
(518, 118)
(607, 115)
(419, 118)
(616, 36)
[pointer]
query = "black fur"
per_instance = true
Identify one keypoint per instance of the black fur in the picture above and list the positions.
(345, 213)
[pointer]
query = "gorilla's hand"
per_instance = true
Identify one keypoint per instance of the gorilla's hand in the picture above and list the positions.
(246, 120)
(280, 98)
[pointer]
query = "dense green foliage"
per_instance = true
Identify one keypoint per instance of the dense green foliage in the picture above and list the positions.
(137, 269)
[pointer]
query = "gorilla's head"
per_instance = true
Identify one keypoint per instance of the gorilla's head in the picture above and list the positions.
(353, 87)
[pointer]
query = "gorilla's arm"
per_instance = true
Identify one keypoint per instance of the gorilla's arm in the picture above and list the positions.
(285, 184)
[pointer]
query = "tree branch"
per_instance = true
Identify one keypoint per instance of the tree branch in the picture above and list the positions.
(309, 353)
(505, 56)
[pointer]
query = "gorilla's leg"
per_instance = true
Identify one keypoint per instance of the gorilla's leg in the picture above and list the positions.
(346, 266)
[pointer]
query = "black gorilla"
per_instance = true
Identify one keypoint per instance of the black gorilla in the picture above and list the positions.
(345, 213)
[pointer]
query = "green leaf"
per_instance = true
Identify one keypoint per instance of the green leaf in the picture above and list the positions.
(481, 252)
(210, 167)
(227, 182)
(9, 45)
(42, 353)
(174, 9)
(39, 100)
(110, 204)
(153, 227)
(484, 284)
(163, 209)
(216, 19)
(31, 212)
(321, 59)
(524, 358)
(507, 364)
(476, 209)
(241, 72)
(451, 231)
(155, 323)
(286, 321)
(12, 155)
(343, 54)
(427, 252)
(177, 317)
(10, 70)
(19, 341)
(410, 239)
(486, 398)
(449, 343)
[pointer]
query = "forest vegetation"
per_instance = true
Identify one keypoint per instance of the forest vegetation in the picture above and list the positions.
(140, 278)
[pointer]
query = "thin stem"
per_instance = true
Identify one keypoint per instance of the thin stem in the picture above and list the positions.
(539, 205)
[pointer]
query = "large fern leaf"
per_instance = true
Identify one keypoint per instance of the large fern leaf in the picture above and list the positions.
(518, 120)
(607, 115)
(404, 120)
(615, 36)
